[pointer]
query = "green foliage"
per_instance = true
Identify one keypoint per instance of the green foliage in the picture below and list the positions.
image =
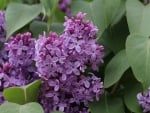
(24, 94)
(138, 17)
(38, 27)
(138, 53)
(107, 104)
(115, 69)
(16, 108)
(130, 97)
(3, 4)
(22, 14)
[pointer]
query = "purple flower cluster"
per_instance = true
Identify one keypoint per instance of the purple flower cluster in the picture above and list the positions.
(21, 50)
(19, 69)
(62, 62)
(64, 6)
(144, 101)
(3, 54)
(10, 76)
(2, 27)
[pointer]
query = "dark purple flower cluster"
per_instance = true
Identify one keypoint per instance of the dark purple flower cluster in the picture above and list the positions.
(64, 6)
(19, 69)
(144, 101)
(62, 62)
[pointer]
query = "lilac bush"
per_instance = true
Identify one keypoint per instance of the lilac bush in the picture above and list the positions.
(54, 54)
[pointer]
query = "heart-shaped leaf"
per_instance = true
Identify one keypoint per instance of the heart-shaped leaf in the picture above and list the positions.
(138, 54)
(22, 95)
(115, 69)
(18, 15)
(138, 16)
(16, 108)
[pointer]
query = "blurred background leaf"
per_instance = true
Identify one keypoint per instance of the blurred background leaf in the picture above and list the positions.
(22, 14)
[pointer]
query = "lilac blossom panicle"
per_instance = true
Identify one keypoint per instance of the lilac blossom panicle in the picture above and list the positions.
(19, 69)
(21, 50)
(3, 53)
(64, 6)
(61, 62)
(144, 100)
(2, 26)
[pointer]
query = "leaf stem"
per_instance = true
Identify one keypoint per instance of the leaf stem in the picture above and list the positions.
(50, 19)
(114, 88)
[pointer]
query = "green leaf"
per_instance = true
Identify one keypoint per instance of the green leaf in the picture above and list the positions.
(3, 4)
(114, 38)
(115, 69)
(18, 15)
(38, 27)
(138, 17)
(100, 11)
(130, 97)
(107, 105)
(138, 54)
(22, 95)
(16, 108)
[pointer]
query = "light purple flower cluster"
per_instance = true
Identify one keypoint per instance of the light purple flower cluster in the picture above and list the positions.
(62, 62)
(19, 69)
(144, 100)
(64, 6)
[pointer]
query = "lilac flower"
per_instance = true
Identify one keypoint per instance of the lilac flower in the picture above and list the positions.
(64, 6)
(144, 100)
(19, 69)
(2, 27)
(57, 94)
(21, 50)
(11, 76)
(49, 56)
(3, 53)
(79, 39)
(61, 62)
